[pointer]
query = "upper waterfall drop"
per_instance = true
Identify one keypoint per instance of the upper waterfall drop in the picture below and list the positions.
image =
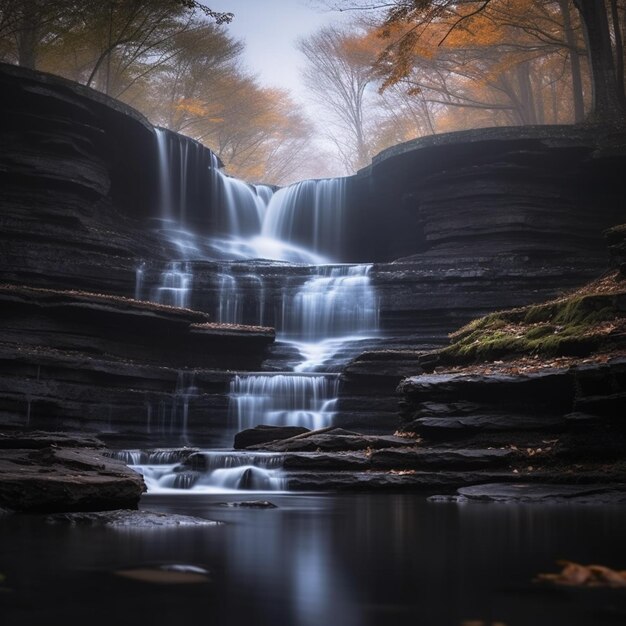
(308, 213)
(243, 205)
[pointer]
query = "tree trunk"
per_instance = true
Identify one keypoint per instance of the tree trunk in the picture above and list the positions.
(619, 47)
(574, 61)
(526, 96)
(608, 96)
(27, 36)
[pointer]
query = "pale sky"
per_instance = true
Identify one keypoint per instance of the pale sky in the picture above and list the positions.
(270, 30)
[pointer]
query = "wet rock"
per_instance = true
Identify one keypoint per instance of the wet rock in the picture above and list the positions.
(264, 434)
(335, 440)
(250, 504)
(101, 325)
(544, 392)
(32, 440)
(452, 427)
(326, 461)
(447, 498)
(65, 479)
(545, 493)
(129, 519)
(451, 459)
(167, 575)
(408, 480)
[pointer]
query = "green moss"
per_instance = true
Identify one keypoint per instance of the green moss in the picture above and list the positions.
(539, 332)
(559, 328)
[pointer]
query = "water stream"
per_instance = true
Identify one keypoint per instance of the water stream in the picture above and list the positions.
(331, 307)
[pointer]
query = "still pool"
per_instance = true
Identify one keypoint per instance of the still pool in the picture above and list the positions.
(318, 560)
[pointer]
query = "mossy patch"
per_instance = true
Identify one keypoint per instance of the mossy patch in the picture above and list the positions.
(572, 326)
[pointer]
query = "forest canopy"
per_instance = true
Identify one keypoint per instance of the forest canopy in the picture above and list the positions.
(398, 70)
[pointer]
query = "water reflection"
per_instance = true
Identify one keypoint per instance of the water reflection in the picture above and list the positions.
(317, 560)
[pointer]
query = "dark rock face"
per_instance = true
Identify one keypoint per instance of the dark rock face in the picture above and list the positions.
(616, 240)
(449, 459)
(390, 481)
(451, 405)
(265, 434)
(69, 359)
(77, 170)
(34, 440)
(336, 439)
(63, 479)
(455, 187)
(480, 401)
(546, 493)
(120, 328)
(476, 221)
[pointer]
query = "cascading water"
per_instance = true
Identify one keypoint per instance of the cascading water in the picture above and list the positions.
(319, 314)
(175, 285)
(309, 213)
(283, 400)
(212, 471)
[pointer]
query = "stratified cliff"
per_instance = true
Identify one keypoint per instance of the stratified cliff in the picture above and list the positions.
(456, 225)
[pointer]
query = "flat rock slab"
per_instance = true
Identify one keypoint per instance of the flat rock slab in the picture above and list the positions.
(458, 426)
(326, 460)
(390, 480)
(65, 479)
(335, 441)
(545, 493)
(35, 440)
(129, 519)
(265, 434)
(418, 458)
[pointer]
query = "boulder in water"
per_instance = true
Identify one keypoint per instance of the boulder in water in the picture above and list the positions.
(63, 479)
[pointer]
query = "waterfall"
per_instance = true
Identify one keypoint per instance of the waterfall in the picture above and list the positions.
(183, 167)
(139, 272)
(336, 302)
(166, 196)
(322, 314)
(241, 205)
(309, 213)
(185, 390)
(283, 400)
(211, 471)
(240, 298)
(175, 285)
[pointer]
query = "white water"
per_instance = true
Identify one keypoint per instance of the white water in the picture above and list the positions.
(219, 472)
(301, 223)
(336, 305)
(335, 302)
(175, 285)
(283, 400)
(311, 212)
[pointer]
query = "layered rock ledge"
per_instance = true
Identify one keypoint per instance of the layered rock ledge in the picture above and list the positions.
(76, 360)
(52, 478)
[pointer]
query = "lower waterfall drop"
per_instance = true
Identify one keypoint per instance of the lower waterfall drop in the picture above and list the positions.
(335, 307)
(283, 400)
(211, 471)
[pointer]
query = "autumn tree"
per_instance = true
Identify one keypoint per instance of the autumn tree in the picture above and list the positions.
(131, 30)
(171, 59)
(26, 26)
(415, 19)
(338, 74)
